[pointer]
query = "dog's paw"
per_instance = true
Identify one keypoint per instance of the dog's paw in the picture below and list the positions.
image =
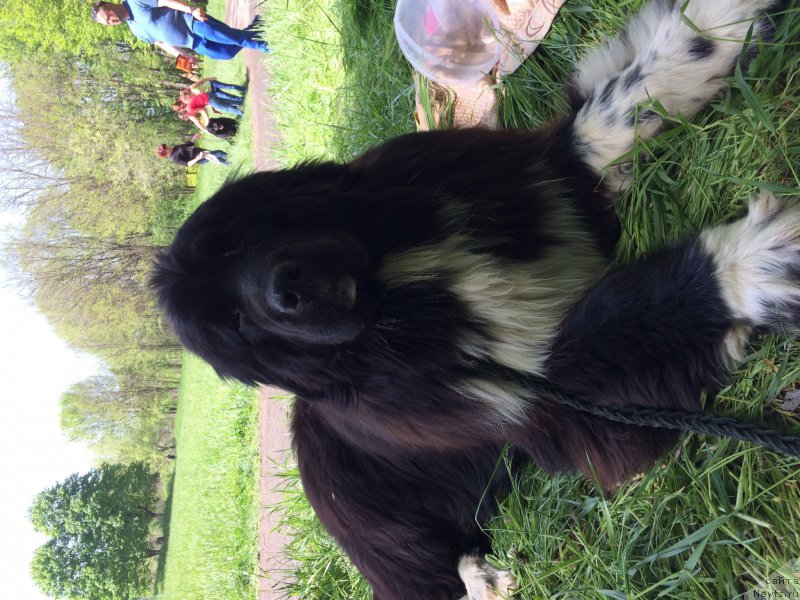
(757, 263)
(677, 54)
(484, 581)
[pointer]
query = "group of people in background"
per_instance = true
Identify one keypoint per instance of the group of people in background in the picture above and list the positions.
(201, 108)
(178, 28)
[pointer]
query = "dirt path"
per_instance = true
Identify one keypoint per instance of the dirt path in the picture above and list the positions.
(240, 13)
(274, 439)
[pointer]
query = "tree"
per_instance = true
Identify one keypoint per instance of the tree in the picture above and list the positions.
(92, 289)
(120, 416)
(46, 27)
(98, 525)
(90, 106)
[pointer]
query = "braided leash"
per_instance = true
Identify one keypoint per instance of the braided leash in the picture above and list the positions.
(719, 426)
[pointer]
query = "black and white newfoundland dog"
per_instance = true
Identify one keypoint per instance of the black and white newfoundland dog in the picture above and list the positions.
(398, 296)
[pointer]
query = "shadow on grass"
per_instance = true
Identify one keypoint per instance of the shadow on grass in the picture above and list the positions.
(169, 487)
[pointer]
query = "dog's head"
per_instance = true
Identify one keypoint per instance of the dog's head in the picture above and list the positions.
(272, 266)
(280, 278)
(374, 276)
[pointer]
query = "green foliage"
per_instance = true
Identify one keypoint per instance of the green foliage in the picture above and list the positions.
(91, 231)
(100, 204)
(123, 416)
(93, 290)
(98, 131)
(98, 525)
(93, 107)
(53, 28)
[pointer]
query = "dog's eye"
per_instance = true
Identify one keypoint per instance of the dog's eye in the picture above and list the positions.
(240, 244)
(236, 320)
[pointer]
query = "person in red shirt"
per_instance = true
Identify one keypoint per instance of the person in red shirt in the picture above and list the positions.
(216, 96)
(221, 127)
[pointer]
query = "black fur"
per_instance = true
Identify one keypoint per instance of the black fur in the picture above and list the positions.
(701, 48)
(296, 278)
(393, 458)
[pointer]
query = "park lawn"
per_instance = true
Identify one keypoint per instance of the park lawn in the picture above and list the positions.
(212, 508)
(715, 518)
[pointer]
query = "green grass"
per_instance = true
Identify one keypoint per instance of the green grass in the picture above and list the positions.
(340, 80)
(715, 518)
(214, 506)
(305, 63)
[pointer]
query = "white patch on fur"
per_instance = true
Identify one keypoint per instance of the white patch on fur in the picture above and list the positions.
(656, 45)
(757, 262)
(504, 397)
(734, 344)
(517, 305)
(483, 581)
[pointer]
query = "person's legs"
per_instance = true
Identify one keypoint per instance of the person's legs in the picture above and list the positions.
(221, 85)
(225, 104)
(213, 30)
(233, 98)
(214, 50)
(221, 155)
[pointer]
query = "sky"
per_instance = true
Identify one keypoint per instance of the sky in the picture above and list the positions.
(36, 367)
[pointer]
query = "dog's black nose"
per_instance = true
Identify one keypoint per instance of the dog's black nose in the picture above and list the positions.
(288, 288)
(298, 288)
